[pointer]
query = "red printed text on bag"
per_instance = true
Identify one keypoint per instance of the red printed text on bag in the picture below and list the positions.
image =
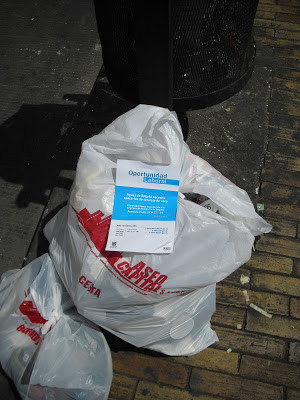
(140, 275)
(34, 336)
(89, 286)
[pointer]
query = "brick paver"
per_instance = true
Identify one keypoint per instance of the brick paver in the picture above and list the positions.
(153, 369)
(234, 387)
(257, 357)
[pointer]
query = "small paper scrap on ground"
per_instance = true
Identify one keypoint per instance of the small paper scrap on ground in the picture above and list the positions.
(244, 279)
(260, 207)
(245, 293)
(260, 310)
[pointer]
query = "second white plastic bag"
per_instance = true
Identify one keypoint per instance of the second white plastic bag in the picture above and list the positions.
(46, 348)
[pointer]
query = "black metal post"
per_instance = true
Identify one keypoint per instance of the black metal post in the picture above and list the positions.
(154, 52)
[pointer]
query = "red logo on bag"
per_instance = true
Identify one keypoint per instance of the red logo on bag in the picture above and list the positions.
(34, 336)
(140, 275)
(98, 228)
(31, 313)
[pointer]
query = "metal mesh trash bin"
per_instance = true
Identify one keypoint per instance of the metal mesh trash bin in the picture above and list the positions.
(212, 48)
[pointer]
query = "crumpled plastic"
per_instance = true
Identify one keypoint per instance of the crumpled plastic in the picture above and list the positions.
(159, 301)
(46, 347)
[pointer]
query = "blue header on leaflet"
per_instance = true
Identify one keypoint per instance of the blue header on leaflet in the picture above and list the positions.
(144, 204)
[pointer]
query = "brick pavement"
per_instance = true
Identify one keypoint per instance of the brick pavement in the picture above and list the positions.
(257, 357)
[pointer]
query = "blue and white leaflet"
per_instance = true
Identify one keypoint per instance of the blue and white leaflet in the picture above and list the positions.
(145, 205)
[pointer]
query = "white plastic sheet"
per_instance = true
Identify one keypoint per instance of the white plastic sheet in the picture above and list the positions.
(160, 301)
(46, 348)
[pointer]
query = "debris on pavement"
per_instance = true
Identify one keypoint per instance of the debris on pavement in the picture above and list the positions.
(245, 293)
(260, 310)
(244, 279)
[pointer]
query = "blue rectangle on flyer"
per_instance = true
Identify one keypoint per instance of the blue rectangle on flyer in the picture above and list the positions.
(144, 204)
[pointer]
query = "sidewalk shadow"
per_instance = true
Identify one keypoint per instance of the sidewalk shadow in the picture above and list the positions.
(32, 149)
(37, 140)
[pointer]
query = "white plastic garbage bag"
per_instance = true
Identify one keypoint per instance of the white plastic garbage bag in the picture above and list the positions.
(46, 347)
(160, 301)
